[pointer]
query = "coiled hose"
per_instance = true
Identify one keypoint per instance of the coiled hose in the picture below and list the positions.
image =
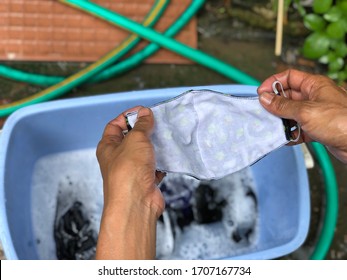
(119, 68)
(89, 72)
(112, 71)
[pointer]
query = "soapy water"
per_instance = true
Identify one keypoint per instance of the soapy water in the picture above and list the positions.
(202, 220)
(74, 176)
(208, 219)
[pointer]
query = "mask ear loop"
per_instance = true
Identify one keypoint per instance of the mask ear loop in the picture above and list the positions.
(275, 90)
(297, 126)
(129, 127)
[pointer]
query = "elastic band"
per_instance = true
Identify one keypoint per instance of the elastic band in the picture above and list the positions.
(298, 127)
(274, 88)
(287, 128)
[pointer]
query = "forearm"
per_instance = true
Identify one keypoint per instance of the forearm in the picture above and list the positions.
(127, 232)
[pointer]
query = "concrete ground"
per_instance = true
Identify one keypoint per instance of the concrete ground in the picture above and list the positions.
(248, 49)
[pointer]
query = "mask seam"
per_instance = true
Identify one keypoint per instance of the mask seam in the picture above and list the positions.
(275, 149)
(228, 95)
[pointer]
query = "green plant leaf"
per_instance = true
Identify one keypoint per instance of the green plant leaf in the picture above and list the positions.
(321, 6)
(314, 22)
(323, 59)
(342, 76)
(333, 75)
(345, 74)
(343, 7)
(329, 57)
(316, 45)
(340, 48)
(300, 8)
(334, 14)
(336, 65)
(287, 4)
(344, 23)
(336, 30)
(334, 43)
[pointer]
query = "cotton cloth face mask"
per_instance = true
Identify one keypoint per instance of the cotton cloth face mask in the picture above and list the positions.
(208, 135)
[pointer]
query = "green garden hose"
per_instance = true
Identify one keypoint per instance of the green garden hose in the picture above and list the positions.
(114, 70)
(198, 56)
(331, 209)
(30, 78)
(44, 80)
(148, 51)
(90, 71)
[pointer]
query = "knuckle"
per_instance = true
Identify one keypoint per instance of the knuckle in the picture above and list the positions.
(100, 149)
(98, 153)
(320, 81)
(325, 79)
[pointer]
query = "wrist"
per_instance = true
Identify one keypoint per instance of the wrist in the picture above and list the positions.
(125, 190)
(131, 208)
(127, 231)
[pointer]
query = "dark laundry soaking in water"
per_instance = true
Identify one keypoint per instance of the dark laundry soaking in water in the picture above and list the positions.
(202, 220)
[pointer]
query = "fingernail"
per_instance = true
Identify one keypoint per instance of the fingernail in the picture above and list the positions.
(143, 112)
(266, 97)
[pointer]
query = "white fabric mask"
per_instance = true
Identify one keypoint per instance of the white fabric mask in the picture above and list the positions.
(209, 135)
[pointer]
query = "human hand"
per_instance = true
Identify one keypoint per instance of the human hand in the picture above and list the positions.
(316, 103)
(132, 200)
(129, 162)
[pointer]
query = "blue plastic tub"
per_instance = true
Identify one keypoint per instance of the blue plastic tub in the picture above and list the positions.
(36, 131)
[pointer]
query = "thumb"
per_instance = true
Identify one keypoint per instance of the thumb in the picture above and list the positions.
(145, 121)
(279, 105)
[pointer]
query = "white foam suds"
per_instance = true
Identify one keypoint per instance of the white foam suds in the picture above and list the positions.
(214, 240)
(77, 176)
